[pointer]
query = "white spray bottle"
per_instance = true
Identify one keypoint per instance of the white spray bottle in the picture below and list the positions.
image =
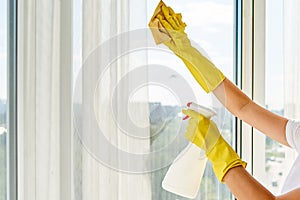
(185, 174)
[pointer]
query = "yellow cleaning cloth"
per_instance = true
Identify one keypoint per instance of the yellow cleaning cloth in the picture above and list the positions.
(159, 31)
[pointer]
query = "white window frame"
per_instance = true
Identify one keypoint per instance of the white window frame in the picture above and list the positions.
(252, 79)
(253, 82)
(252, 141)
(245, 133)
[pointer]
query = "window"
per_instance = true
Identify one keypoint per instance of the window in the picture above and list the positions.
(8, 139)
(212, 25)
(281, 39)
(275, 152)
(3, 99)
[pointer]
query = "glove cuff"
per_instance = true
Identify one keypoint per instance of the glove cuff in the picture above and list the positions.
(224, 158)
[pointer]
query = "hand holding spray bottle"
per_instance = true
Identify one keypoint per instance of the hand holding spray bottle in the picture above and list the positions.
(185, 174)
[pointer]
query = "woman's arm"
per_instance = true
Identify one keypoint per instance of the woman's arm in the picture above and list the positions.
(209, 77)
(245, 109)
(244, 187)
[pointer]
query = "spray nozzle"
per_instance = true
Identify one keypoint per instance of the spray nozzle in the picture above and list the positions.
(207, 112)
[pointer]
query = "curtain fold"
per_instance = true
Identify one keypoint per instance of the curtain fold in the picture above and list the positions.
(47, 99)
(291, 48)
(42, 79)
(291, 58)
(42, 100)
(102, 21)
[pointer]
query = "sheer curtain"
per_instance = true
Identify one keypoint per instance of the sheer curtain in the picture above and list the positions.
(93, 179)
(291, 58)
(291, 41)
(44, 99)
(53, 161)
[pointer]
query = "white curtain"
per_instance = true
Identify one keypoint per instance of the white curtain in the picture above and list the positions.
(53, 161)
(44, 100)
(291, 50)
(292, 58)
(102, 20)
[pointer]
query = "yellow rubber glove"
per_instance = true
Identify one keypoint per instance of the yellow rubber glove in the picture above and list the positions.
(167, 27)
(205, 134)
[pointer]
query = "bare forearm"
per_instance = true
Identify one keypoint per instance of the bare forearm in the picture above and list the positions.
(243, 186)
(240, 105)
(232, 97)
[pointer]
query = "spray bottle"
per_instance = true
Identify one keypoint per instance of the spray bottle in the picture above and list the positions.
(185, 174)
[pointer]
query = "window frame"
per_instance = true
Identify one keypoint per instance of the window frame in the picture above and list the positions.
(259, 68)
(250, 57)
(252, 82)
(12, 101)
(253, 73)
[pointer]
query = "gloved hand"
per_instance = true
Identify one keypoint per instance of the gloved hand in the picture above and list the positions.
(205, 134)
(167, 27)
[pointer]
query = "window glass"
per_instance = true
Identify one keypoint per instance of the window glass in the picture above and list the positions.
(211, 25)
(276, 167)
(3, 96)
